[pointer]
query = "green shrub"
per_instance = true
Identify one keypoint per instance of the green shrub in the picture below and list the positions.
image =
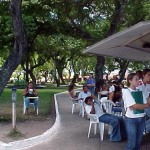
(82, 83)
(20, 84)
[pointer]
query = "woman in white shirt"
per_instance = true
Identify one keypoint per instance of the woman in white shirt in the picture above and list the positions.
(134, 103)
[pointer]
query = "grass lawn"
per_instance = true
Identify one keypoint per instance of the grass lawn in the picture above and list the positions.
(45, 104)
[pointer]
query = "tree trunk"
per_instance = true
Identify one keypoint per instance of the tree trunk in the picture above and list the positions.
(75, 77)
(99, 72)
(59, 70)
(20, 44)
(27, 66)
(123, 68)
(55, 74)
(32, 76)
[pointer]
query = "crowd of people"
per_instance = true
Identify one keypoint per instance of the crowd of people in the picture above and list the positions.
(132, 99)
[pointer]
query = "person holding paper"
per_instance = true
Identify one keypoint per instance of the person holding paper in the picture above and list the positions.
(28, 92)
(134, 103)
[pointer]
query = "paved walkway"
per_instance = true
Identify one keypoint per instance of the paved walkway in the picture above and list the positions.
(68, 133)
(72, 134)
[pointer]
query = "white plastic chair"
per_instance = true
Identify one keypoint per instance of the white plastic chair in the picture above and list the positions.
(95, 120)
(107, 105)
(76, 102)
(24, 106)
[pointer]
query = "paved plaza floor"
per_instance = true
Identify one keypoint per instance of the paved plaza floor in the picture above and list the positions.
(72, 134)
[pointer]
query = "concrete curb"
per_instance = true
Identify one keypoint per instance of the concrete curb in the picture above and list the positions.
(23, 144)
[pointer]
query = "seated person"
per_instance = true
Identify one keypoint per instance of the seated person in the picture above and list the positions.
(118, 126)
(72, 92)
(85, 93)
(104, 91)
(30, 91)
(116, 95)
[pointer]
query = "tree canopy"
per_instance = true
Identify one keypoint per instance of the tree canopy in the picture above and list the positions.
(35, 32)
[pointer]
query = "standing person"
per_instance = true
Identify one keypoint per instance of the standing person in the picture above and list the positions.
(144, 86)
(30, 91)
(140, 74)
(134, 103)
(90, 82)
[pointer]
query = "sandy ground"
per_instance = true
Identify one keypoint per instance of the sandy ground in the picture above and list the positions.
(31, 128)
(27, 128)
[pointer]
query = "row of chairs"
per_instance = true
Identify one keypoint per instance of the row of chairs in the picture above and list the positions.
(94, 120)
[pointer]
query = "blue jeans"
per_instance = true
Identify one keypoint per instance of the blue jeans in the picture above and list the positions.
(116, 109)
(147, 125)
(135, 128)
(147, 110)
(27, 102)
(92, 90)
(118, 126)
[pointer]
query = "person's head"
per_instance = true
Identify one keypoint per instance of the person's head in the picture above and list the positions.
(104, 86)
(109, 83)
(88, 100)
(85, 88)
(117, 92)
(115, 77)
(140, 74)
(146, 75)
(120, 84)
(90, 76)
(132, 80)
(30, 85)
(71, 87)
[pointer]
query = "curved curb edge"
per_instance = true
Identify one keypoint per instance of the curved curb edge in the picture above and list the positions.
(22, 144)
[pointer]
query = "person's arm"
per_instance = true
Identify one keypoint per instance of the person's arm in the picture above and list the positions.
(25, 91)
(93, 96)
(141, 106)
(80, 96)
(72, 95)
(35, 92)
(92, 109)
(111, 96)
(130, 102)
(93, 83)
(89, 83)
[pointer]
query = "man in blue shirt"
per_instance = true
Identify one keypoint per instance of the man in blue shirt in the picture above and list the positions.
(90, 82)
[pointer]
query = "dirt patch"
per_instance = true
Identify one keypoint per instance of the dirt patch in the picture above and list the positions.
(28, 128)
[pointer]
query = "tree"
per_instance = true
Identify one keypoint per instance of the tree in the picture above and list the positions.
(115, 18)
(123, 67)
(20, 44)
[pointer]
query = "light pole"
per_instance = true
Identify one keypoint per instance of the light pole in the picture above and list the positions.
(14, 98)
